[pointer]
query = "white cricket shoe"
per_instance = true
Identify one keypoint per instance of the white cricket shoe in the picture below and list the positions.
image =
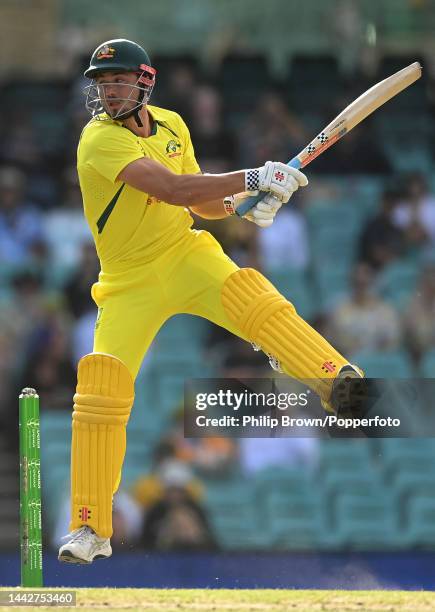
(84, 546)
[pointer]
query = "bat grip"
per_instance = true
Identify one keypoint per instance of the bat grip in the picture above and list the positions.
(250, 202)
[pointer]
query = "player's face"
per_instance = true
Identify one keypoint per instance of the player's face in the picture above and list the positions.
(118, 92)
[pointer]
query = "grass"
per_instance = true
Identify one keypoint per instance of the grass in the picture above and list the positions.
(222, 600)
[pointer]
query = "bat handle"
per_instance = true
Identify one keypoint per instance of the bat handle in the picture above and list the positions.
(250, 202)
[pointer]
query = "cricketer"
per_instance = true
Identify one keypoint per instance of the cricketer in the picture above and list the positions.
(139, 180)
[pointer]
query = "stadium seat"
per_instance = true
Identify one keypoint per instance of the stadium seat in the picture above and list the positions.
(397, 281)
(384, 364)
(427, 365)
(332, 284)
(324, 216)
(295, 286)
(51, 95)
(310, 78)
(408, 481)
(350, 456)
(415, 454)
(55, 424)
(415, 155)
(239, 76)
(295, 523)
(233, 514)
(146, 416)
(367, 523)
(419, 526)
(240, 531)
(275, 478)
(184, 329)
(363, 484)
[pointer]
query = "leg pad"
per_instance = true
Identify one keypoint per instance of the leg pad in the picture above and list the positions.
(102, 406)
(269, 320)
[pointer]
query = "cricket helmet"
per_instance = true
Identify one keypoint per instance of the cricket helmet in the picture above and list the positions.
(120, 55)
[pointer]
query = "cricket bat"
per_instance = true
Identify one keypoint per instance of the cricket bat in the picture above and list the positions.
(353, 114)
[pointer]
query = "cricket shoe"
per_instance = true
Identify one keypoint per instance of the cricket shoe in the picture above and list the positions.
(84, 546)
(349, 393)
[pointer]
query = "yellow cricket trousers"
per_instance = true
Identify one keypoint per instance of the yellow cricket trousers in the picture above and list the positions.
(133, 305)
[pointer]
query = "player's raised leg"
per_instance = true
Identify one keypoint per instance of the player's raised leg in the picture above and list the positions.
(271, 321)
(247, 304)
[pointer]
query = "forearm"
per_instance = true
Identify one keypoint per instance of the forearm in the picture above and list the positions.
(180, 190)
(210, 210)
(205, 191)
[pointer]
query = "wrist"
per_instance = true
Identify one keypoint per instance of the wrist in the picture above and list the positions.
(252, 179)
(229, 205)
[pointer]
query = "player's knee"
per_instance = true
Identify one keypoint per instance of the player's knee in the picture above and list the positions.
(105, 390)
(249, 300)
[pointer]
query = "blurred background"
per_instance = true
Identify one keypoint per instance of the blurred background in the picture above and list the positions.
(355, 253)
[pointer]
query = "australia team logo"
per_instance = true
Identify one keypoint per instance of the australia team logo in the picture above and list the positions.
(105, 52)
(173, 148)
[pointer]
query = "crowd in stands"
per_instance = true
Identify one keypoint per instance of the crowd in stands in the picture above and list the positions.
(48, 263)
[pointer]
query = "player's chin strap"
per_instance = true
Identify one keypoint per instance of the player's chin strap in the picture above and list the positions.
(136, 110)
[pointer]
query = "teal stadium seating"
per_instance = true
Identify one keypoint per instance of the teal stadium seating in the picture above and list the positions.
(384, 364)
(296, 287)
(427, 366)
(419, 531)
(397, 281)
(367, 523)
(366, 494)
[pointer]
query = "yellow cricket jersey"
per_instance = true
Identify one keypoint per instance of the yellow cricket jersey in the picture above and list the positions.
(128, 225)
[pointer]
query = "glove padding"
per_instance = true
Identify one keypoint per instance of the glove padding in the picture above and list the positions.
(280, 180)
(262, 214)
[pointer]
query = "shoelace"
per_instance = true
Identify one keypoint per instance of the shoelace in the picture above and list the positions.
(79, 535)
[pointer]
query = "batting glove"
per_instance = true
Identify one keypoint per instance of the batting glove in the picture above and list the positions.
(276, 178)
(262, 214)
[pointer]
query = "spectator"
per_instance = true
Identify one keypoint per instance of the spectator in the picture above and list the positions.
(78, 289)
(20, 145)
(211, 456)
(271, 132)
(20, 221)
(419, 317)
(81, 305)
(415, 215)
(381, 240)
(363, 320)
(177, 91)
(176, 521)
(49, 365)
(148, 489)
(358, 153)
(65, 226)
(285, 244)
(23, 308)
(257, 454)
(214, 146)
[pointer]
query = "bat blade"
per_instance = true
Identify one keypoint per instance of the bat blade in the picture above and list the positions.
(353, 114)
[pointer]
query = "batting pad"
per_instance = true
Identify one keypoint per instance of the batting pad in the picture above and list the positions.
(269, 320)
(102, 405)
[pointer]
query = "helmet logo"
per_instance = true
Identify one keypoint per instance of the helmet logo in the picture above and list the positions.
(172, 148)
(105, 52)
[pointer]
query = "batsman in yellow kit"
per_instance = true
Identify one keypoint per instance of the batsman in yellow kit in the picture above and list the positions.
(140, 180)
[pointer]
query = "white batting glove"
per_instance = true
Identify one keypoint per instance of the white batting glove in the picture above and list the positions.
(276, 178)
(262, 214)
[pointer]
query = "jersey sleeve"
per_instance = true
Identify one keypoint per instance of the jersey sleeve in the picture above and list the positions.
(190, 165)
(110, 150)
